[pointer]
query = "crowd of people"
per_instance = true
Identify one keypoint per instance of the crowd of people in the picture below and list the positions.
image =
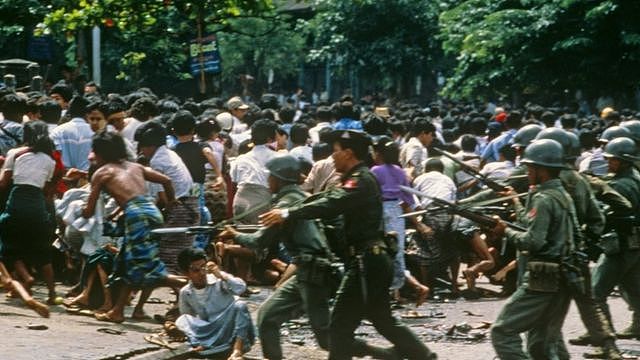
(215, 197)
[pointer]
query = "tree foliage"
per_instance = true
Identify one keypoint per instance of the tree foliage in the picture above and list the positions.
(382, 38)
(542, 46)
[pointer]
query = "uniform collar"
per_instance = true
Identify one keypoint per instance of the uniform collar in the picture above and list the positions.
(349, 173)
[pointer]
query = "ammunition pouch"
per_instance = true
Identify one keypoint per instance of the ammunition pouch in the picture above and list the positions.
(610, 243)
(575, 273)
(543, 276)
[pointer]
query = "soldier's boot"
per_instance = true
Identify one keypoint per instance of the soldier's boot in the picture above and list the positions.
(632, 331)
(608, 351)
(582, 340)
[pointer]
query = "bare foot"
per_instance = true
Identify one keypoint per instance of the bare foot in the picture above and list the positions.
(198, 348)
(139, 315)
(38, 307)
(235, 355)
(80, 300)
(470, 276)
(423, 293)
(110, 317)
(106, 306)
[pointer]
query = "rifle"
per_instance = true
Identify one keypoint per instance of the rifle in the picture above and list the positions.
(473, 205)
(491, 184)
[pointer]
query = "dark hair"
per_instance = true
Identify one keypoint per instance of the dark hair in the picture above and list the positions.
(324, 135)
(93, 84)
(183, 122)
(320, 151)
(508, 152)
(36, 136)
(206, 127)
(151, 133)
(144, 108)
(96, 105)
(77, 106)
(548, 118)
(262, 131)
(324, 114)
(62, 89)
(390, 152)
(245, 146)
(299, 133)
(468, 143)
(434, 164)
(287, 114)
(13, 107)
(114, 107)
(167, 106)
(568, 121)
(109, 146)
(360, 149)
(189, 255)
(514, 119)
(345, 110)
(422, 125)
(50, 111)
(587, 139)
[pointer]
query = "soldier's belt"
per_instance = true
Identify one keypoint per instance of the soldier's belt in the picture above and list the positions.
(375, 248)
(307, 258)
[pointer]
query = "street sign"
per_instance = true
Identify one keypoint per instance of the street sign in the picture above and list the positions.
(205, 55)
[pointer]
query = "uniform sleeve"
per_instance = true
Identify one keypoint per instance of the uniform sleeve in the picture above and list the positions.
(260, 239)
(535, 237)
(337, 201)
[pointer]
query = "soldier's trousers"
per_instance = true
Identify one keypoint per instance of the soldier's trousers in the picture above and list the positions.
(533, 312)
(622, 269)
(289, 301)
(351, 308)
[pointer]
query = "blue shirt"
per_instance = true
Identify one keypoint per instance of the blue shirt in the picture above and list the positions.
(73, 139)
(10, 136)
(492, 151)
(348, 124)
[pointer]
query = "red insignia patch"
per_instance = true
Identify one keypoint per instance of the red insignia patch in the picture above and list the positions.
(532, 213)
(350, 184)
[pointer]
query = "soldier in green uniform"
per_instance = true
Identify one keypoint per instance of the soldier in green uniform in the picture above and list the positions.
(542, 299)
(364, 290)
(620, 263)
(305, 289)
(591, 220)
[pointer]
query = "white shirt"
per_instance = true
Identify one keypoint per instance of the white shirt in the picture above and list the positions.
(250, 168)
(314, 132)
(303, 151)
(29, 168)
(497, 170)
(129, 130)
(461, 176)
(169, 163)
(218, 152)
(595, 163)
(413, 153)
(437, 185)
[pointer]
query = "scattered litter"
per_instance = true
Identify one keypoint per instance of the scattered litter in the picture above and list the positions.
(470, 313)
(37, 327)
(110, 331)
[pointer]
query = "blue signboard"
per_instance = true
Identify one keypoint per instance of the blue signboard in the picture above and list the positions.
(205, 55)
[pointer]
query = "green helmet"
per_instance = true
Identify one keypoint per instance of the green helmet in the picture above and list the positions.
(575, 149)
(634, 127)
(613, 133)
(286, 168)
(562, 137)
(525, 135)
(622, 148)
(544, 152)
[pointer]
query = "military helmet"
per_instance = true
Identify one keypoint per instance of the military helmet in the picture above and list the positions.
(575, 148)
(544, 152)
(525, 135)
(622, 148)
(286, 168)
(634, 127)
(562, 137)
(613, 133)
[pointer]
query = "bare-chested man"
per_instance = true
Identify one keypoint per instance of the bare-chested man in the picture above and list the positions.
(137, 265)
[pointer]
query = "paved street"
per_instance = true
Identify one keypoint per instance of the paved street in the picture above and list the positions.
(78, 337)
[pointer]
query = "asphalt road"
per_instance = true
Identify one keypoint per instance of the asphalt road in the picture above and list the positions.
(79, 337)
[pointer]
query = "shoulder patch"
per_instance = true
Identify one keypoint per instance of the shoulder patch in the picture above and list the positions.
(532, 213)
(350, 184)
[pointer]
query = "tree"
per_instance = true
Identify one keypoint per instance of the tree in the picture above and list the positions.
(542, 47)
(147, 41)
(389, 41)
